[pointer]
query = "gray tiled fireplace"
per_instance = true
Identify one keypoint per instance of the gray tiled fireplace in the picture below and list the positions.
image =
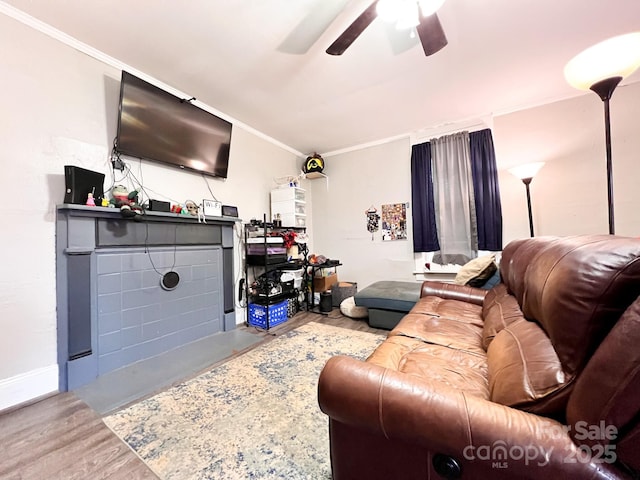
(112, 309)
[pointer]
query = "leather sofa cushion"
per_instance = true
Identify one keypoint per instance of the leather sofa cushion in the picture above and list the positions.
(439, 340)
(499, 310)
(434, 362)
(519, 261)
(523, 367)
(436, 307)
(578, 288)
(448, 323)
(608, 391)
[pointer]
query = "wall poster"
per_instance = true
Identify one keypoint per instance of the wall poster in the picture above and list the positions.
(394, 221)
(372, 220)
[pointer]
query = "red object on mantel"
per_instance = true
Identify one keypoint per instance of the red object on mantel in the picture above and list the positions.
(427, 266)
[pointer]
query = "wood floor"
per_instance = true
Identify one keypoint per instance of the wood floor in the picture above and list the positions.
(60, 437)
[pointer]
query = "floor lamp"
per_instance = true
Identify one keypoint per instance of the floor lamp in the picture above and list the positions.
(526, 174)
(600, 68)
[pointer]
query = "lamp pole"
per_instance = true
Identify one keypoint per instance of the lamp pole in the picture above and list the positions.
(600, 68)
(527, 182)
(604, 89)
(526, 174)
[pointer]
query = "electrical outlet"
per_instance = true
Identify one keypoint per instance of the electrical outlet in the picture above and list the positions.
(212, 208)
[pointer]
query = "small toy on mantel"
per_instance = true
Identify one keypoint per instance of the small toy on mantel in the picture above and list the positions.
(191, 208)
(126, 201)
(90, 201)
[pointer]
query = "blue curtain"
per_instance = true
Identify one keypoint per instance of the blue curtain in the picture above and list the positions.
(425, 235)
(487, 190)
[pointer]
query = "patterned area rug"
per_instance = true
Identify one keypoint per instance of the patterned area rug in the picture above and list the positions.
(255, 416)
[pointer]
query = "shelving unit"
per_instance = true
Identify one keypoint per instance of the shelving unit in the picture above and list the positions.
(267, 262)
(311, 305)
(291, 206)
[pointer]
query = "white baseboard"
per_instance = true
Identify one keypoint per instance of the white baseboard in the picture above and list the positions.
(27, 386)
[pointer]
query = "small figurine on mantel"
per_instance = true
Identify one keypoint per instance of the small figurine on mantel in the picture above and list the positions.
(126, 201)
(192, 208)
(90, 201)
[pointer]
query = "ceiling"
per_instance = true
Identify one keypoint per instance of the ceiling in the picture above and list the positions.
(263, 62)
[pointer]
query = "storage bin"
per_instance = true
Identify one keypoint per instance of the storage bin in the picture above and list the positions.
(320, 284)
(255, 249)
(277, 314)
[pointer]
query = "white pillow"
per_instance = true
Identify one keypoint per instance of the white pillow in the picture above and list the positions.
(349, 308)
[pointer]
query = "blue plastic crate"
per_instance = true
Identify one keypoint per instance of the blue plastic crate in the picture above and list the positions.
(258, 314)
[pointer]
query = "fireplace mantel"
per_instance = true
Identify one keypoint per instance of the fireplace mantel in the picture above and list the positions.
(111, 309)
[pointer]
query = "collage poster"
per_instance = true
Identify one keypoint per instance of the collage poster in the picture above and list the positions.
(394, 221)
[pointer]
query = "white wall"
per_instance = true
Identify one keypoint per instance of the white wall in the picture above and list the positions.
(568, 195)
(59, 107)
(372, 176)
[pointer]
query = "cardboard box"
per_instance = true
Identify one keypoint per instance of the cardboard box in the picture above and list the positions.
(321, 284)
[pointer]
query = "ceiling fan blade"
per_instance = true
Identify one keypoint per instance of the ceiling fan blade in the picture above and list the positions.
(312, 26)
(353, 31)
(431, 34)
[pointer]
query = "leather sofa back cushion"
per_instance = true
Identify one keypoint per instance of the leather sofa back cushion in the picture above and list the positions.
(519, 261)
(577, 289)
(608, 390)
(523, 367)
(499, 310)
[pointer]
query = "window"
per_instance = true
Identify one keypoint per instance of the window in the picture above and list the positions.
(456, 197)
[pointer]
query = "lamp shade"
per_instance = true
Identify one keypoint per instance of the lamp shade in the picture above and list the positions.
(528, 170)
(615, 57)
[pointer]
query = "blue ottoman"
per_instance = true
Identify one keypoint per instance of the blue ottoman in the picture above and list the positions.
(388, 301)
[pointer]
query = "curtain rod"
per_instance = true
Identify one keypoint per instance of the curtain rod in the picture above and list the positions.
(448, 129)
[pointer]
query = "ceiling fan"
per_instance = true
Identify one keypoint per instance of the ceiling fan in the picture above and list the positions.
(420, 14)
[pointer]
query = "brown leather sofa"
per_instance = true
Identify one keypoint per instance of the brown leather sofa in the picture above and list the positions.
(537, 378)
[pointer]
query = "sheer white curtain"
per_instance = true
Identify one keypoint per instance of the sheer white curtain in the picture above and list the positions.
(454, 199)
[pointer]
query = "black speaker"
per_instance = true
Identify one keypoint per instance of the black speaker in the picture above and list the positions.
(159, 206)
(170, 280)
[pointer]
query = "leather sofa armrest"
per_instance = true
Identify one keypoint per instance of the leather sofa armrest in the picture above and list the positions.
(442, 420)
(453, 291)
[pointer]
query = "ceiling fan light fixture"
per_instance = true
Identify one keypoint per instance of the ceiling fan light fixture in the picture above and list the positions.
(388, 10)
(409, 15)
(429, 7)
(404, 13)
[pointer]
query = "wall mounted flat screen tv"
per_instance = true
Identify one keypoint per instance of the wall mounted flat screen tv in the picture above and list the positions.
(156, 125)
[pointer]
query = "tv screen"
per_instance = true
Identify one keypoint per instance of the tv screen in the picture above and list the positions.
(156, 125)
